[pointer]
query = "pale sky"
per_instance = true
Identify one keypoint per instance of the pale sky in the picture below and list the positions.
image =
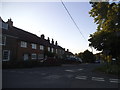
(52, 20)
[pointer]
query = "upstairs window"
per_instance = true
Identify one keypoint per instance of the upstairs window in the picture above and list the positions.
(62, 51)
(2, 40)
(49, 49)
(56, 51)
(3, 25)
(34, 46)
(52, 50)
(23, 44)
(41, 47)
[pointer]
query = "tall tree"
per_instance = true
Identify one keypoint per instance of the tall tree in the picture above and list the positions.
(107, 36)
(88, 57)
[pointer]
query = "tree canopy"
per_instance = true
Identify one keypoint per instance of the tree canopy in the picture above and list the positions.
(107, 37)
(87, 56)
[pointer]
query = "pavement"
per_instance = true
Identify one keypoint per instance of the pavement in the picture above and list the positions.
(65, 76)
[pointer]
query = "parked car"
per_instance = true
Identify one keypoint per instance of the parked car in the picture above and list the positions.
(97, 61)
(79, 59)
(74, 59)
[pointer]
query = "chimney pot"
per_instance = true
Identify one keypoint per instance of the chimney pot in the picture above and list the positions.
(67, 50)
(10, 22)
(56, 43)
(52, 41)
(48, 39)
(43, 36)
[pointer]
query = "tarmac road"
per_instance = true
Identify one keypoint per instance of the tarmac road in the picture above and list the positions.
(65, 76)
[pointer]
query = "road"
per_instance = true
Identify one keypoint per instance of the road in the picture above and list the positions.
(65, 76)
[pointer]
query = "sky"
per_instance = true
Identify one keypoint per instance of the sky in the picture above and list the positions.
(52, 20)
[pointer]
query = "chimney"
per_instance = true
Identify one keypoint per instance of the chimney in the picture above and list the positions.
(43, 36)
(67, 50)
(52, 41)
(48, 39)
(10, 22)
(56, 43)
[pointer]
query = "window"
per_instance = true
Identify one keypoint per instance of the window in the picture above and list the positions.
(34, 46)
(25, 57)
(52, 50)
(48, 48)
(34, 56)
(3, 25)
(6, 55)
(62, 51)
(23, 44)
(40, 56)
(56, 51)
(41, 47)
(2, 40)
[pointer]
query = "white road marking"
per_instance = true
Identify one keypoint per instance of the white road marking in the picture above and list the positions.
(75, 70)
(81, 77)
(114, 80)
(79, 69)
(70, 70)
(97, 79)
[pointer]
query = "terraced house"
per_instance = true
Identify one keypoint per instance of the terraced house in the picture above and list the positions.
(20, 45)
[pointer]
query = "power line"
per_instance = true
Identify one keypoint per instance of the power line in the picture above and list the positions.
(72, 19)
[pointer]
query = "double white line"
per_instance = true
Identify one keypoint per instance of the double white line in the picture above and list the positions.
(70, 70)
(114, 80)
(81, 77)
(75, 70)
(97, 79)
(79, 69)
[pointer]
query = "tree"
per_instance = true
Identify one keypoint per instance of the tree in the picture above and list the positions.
(107, 36)
(80, 55)
(88, 57)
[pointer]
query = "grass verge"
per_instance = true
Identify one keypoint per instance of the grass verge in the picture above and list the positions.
(109, 69)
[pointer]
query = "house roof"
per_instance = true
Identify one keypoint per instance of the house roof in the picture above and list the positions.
(69, 53)
(28, 37)
(23, 35)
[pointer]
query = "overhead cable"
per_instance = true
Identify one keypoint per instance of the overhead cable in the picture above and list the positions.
(72, 19)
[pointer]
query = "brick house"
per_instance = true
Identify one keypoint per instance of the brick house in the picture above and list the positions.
(69, 54)
(20, 45)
